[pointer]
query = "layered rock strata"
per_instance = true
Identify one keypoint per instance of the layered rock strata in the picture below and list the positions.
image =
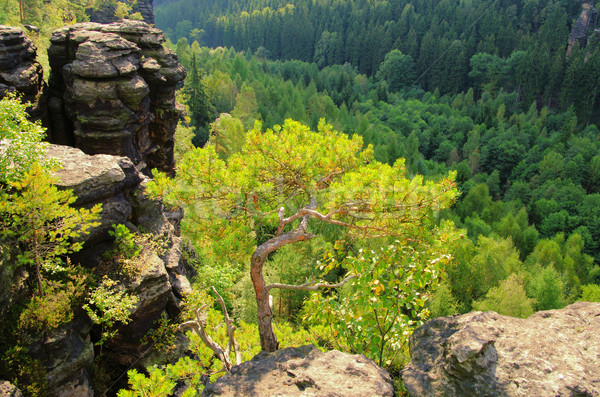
(552, 353)
(112, 91)
(19, 69)
(112, 94)
(146, 9)
(119, 186)
(304, 371)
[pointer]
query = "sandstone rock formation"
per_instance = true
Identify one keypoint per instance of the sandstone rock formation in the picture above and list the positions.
(552, 353)
(304, 371)
(96, 179)
(106, 13)
(117, 184)
(19, 69)
(112, 91)
(103, 14)
(583, 27)
(146, 9)
(67, 355)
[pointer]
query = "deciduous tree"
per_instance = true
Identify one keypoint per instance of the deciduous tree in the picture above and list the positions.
(398, 70)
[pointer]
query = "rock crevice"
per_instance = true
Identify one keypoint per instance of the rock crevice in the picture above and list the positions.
(112, 109)
(20, 71)
(119, 186)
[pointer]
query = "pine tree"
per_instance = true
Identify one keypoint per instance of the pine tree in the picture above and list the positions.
(39, 216)
(201, 110)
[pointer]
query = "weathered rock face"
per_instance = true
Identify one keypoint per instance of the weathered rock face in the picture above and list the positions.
(19, 69)
(112, 94)
(15, 276)
(146, 9)
(96, 179)
(304, 371)
(117, 184)
(552, 353)
(104, 14)
(584, 27)
(67, 355)
(112, 91)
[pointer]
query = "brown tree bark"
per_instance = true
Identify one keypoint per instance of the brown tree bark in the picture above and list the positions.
(268, 340)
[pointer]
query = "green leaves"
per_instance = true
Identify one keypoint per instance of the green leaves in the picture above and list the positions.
(22, 144)
(38, 215)
(382, 306)
(286, 176)
(125, 243)
(235, 200)
(157, 384)
(109, 306)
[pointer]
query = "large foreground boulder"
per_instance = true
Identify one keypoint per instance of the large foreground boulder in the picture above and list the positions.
(304, 371)
(552, 353)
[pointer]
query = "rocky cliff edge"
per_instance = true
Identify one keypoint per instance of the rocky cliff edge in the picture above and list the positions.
(551, 353)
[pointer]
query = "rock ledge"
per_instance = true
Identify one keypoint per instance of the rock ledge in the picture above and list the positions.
(552, 353)
(304, 371)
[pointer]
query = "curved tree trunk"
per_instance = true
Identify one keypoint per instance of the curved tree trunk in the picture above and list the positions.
(268, 340)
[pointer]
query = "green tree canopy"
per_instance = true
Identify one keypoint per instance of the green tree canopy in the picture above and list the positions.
(398, 70)
(33, 211)
(269, 194)
(21, 143)
(509, 299)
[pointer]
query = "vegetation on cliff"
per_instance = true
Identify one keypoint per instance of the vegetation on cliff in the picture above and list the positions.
(286, 181)
(39, 228)
(389, 99)
(527, 179)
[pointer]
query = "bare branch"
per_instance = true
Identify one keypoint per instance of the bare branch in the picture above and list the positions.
(300, 214)
(326, 180)
(187, 325)
(311, 286)
(198, 325)
(230, 331)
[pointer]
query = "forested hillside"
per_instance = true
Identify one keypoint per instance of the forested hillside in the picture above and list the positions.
(530, 180)
(504, 93)
(349, 169)
(519, 46)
